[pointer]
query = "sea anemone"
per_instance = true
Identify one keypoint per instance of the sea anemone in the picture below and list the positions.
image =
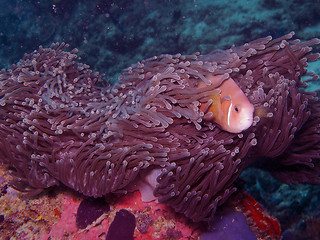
(60, 122)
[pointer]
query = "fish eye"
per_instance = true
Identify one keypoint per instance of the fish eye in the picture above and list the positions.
(236, 108)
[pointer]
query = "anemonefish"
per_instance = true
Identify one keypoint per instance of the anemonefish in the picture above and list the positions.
(230, 108)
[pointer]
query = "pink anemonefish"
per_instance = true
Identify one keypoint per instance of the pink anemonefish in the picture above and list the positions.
(230, 107)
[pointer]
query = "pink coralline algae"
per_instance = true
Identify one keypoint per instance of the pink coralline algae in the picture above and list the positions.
(62, 123)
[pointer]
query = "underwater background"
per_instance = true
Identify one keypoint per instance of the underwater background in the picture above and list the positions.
(112, 35)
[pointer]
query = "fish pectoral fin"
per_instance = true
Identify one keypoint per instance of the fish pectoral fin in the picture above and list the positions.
(212, 109)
